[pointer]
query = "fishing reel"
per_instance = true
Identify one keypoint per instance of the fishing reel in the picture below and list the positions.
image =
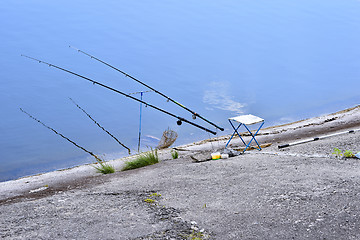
(179, 122)
(194, 116)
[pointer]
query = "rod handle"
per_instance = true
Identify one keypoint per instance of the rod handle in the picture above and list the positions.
(284, 146)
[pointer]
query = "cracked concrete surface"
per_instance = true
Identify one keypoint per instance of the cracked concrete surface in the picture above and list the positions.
(301, 192)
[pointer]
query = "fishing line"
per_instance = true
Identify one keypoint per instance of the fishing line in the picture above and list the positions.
(212, 146)
(217, 141)
(194, 114)
(179, 121)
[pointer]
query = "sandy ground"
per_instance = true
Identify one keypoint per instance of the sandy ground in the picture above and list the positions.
(300, 192)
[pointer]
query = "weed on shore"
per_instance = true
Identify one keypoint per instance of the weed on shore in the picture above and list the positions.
(104, 168)
(347, 154)
(174, 154)
(145, 159)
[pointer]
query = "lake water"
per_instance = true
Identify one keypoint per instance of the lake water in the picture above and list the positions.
(281, 60)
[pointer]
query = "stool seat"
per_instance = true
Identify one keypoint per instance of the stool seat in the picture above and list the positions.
(246, 120)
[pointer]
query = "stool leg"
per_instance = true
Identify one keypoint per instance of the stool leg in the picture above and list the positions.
(238, 132)
(256, 134)
(253, 136)
(235, 131)
(247, 145)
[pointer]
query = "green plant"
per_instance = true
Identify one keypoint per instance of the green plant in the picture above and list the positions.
(104, 168)
(174, 154)
(149, 200)
(151, 196)
(346, 154)
(194, 236)
(155, 195)
(337, 152)
(142, 160)
(349, 154)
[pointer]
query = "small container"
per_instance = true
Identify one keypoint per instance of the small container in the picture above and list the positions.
(224, 155)
(215, 156)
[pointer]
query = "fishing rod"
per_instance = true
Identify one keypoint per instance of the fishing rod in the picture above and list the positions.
(98, 124)
(179, 121)
(66, 138)
(316, 138)
(144, 84)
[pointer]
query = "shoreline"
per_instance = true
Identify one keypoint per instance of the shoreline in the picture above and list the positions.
(77, 176)
(299, 192)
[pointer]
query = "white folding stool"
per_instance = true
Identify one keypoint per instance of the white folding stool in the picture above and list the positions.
(246, 120)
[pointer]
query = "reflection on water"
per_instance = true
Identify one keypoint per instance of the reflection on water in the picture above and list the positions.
(279, 60)
(218, 97)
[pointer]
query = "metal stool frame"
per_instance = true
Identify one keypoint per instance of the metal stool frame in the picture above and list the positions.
(253, 135)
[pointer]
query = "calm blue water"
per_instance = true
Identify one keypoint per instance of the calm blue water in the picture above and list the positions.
(281, 60)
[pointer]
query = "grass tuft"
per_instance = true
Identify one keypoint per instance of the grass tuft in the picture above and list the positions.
(337, 152)
(349, 154)
(104, 168)
(145, 159)
(174, 154)
(346, 154)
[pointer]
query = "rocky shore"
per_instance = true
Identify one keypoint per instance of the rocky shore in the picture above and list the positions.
(299, 192)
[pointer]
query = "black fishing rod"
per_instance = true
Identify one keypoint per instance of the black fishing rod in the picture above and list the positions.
(98, 124)
(179, 121)
(66, 138)
(144, 84)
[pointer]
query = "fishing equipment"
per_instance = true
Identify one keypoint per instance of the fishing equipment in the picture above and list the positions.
(194, 114)
(124, 94)
(141, 97)
(316, 138)
(57, 133)
(129, 151)
(168, 138)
